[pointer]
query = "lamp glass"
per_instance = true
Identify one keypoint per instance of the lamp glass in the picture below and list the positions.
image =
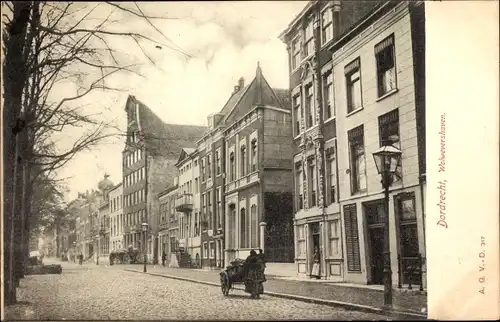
(387, 159)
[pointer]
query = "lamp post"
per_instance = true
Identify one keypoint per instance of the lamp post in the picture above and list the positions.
(387, 159)
(144, 230)
(97, 249)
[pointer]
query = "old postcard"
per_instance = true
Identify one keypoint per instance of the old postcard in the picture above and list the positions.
(250, 160)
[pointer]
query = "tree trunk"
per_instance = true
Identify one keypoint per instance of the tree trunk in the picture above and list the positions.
(14, 79)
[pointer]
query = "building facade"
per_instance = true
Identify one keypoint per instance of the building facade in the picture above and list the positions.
(86, 215)
(378, 95)
(334, 98)
(151, 151)
(188, 206)
(116, 217)
(168, 228)
(246, 176)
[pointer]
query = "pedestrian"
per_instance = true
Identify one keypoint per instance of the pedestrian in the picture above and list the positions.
(316, 264)
(80, 258)
(262, 261)
(163, 258)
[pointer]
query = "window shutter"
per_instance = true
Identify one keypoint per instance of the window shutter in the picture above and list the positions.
(352, 238)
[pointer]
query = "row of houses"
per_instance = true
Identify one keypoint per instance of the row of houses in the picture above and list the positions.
(289, 171)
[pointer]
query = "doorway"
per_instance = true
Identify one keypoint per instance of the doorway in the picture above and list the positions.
(315, 243)
(375, 216)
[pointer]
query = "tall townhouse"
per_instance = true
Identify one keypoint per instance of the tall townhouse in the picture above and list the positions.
(188, 204)
(378, 76)
(211, 181)
(317, 216)
(116, 217)
(86, 212)
(151, 151)
(168, 229)
(104, 230)
(247, 197)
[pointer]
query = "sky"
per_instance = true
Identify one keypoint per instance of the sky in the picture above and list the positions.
(224, 41)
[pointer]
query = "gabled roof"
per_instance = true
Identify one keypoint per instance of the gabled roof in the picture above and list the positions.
(185, 152)
(258, 92)
(163, 139)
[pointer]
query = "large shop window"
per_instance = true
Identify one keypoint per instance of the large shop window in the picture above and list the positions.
(386, 65)
(334, 237)
(352, 238)
(388, 125)
(301, 241)
(357, 162)
(408, 236)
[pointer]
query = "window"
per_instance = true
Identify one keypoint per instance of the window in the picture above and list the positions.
(298, 186)
(253, 226)
(352, 238)
(296, 114)
(386, 67)
(232, 166)
(301, 241)
(388, 125)
(209, 166)
(253, 146)
(217, 160)
(209, 210)
(296, 53)
(195, 163)
(195, 185)
(243, 230)
(243, 161)
(327, 26)
(357, 162)
(353, 85)
(331, 175)
(205, 250)
(334, 238)
(309, 39)
(407, 234)
(309, 106)
(218, 209)
(328, 95)
(312, 182)
(202, 170)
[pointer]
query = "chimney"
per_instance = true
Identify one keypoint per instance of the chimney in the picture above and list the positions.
(236, 89)
(241, 83)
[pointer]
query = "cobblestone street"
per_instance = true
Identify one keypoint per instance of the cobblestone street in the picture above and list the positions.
(91, 292)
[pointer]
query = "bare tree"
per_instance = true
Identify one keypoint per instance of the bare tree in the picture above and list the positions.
(47, 44)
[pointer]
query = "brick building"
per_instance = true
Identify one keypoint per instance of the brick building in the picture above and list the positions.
(168, 227)
(348, 97)
(151, 150)
(245, 176)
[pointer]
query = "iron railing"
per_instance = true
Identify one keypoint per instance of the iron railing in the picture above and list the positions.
(410, 271)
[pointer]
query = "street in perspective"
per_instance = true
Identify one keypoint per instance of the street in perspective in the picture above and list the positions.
(214, 160)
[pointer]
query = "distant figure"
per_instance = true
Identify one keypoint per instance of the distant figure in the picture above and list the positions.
(80, 258)
(262, 261)
(163, 259)
(316, 264)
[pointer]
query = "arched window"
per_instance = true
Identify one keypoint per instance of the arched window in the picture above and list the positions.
(254, 154)
(232, 166)
(243, 160)
(243, 241)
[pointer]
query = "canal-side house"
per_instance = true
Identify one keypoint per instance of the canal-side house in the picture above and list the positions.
(168, 227)
(379, 83)
(255, 127)
(188, 206)
(105, 186)
(116, 217)
(151, 151)
(317, 217)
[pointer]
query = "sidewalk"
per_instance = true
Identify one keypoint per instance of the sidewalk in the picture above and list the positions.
(413, 304)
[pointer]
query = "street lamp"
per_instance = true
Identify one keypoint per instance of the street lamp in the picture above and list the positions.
(144, 230)
(387, 159)
(97, 249)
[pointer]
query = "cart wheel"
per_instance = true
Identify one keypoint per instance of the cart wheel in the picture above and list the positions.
(224, 284)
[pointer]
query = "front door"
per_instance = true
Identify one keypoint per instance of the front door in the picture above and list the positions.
(315, 243)
(375, 216)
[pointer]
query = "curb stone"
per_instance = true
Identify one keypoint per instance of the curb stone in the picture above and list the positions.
(345, 305)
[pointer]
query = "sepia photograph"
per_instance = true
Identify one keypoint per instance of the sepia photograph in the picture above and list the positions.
(219, 160)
